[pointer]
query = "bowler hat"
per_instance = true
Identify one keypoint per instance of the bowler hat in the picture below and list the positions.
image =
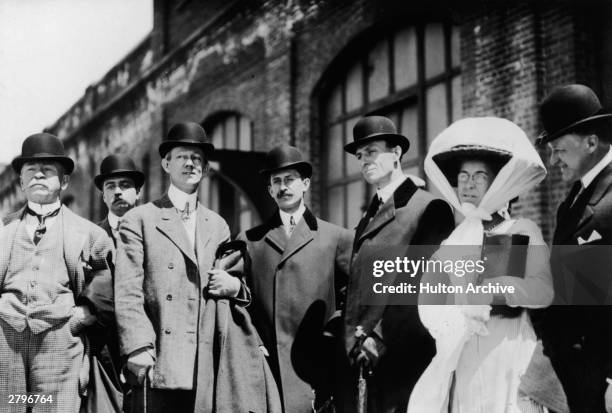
(186, 134)
(567, 107)
(450, 161)
(284, 157)
(374, 128)
(43, 147)
(118, 165)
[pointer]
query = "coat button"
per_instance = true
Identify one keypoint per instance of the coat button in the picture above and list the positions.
(171, 265)
(169, 297)
(167, 331)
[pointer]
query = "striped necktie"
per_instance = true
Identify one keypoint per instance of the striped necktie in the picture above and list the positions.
(41, 228)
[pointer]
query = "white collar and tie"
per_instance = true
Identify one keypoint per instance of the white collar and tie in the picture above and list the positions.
(590, 176)
(387, 191)
(290, 221)
(187, 206)
(113, 222)
(35, 227)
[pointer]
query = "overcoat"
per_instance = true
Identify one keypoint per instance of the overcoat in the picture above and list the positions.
(159, 286)
(410, 217)
(294, 283)
(578, 338)
(105, 225)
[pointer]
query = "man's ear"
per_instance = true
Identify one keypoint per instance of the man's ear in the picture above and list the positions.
(65, 182)
(306, 184)
(592, 142)
(164, 164)
(270, 191)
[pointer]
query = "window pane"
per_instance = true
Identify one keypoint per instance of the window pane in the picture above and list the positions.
(436, 110)
(335, 205)
(334, 152)
(217, 136)
(352, 165)
(245, 134)
(405, 56)
(354, 89)
(457, 106)
(334, 104)
(231, 135)
(455, 46)
(434, 50)
(409, 127)
(355, 201)
(378, 63)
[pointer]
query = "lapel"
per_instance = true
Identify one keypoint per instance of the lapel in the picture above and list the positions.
(105, 225)
(301, 235)
(169, 223)
(276, 235)
(386, 213)
(74, 236)
(202, 237)
(11, 223)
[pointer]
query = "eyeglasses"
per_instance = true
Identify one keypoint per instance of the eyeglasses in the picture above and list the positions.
(479, 178)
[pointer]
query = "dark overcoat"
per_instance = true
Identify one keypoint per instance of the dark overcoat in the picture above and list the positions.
(410, 217)
(578, 338)
(294, 283)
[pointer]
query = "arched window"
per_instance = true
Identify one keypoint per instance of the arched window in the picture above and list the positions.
(411, 75)
(232, 132)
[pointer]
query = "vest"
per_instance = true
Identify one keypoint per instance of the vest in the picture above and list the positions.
(36, 291)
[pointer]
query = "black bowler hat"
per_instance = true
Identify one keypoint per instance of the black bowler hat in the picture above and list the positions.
(285, 157)
(118, 165)
(567, 107)
(186, 134)
(43, 147)
(374, 128)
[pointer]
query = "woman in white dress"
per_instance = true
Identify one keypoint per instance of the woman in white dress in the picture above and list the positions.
(485, 342)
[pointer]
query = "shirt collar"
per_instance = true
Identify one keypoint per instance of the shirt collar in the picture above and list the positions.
(297, 215)
(592, 174)
(113, 220)
(385, 192)
(179, 198)
(43, 209)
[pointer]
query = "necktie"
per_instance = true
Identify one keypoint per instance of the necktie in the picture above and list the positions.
(373, 208)
(184, 212)
(291, 224)
(574, 193)
(41, 228)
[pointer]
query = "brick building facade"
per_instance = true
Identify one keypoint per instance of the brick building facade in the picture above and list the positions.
(256, 73)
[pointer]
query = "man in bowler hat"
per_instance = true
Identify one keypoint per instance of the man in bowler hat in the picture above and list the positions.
(165, 254)
(299, 263)
(578, 338)
(55, 280)
(389, 341)
(120, 183)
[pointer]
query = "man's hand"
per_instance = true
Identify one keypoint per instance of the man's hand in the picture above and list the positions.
(223, 284)
(139, 362)
(608, 398)
(371, 351)
(83, 315)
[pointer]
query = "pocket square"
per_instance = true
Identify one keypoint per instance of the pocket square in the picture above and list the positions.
(593, 237)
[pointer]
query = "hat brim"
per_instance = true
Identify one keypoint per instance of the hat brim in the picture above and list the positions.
(449, 161)
(303, 167)
(392, 138)
(137, 176)
(167, 146)
(546, 137)
(65, 161)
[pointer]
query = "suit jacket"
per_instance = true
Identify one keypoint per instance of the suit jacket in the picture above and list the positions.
(88, 253)
(105, 225)
(160, 281)
(581, 332)
(410, 217)
(295, 282)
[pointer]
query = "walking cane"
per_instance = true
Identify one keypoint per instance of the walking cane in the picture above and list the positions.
(362, 386)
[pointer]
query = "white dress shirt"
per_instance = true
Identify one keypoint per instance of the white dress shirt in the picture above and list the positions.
(594, 171)
(181, 200)
(113, 221)
(31, 222)
(385, 192)
(297, 216)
